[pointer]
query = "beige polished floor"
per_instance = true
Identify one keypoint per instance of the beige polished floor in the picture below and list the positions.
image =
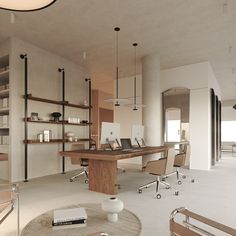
(212, 195)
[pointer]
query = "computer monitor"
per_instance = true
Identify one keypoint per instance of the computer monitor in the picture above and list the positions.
(110, 132)
(138, 135)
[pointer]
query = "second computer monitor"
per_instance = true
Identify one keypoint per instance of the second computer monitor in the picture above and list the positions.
(110, 132)
(137, 134)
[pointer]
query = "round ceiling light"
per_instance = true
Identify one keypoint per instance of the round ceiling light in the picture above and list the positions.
(25, 5)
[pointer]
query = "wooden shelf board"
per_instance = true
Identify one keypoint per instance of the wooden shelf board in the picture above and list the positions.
(35, 141)
(4, 127)
(30, 97)
(3, 156)
(4, 111)
(4, 93)
(57, 123)
(66, 103)
(77, 106)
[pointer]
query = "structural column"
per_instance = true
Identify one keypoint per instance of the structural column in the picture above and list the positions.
(151, 95)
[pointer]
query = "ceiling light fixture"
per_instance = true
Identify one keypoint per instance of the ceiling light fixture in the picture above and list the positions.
(135, 80)
(117, 100)
(25, 5)
(117, 29)
(225, 8)
(135, 105)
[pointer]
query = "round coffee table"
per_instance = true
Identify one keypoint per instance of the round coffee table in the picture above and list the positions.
(128, 224)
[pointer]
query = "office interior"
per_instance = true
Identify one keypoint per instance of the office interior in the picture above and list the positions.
(65, 58)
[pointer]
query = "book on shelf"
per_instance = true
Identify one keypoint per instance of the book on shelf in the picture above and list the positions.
(69, 214)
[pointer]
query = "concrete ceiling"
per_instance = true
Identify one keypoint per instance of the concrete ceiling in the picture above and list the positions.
(181, 31)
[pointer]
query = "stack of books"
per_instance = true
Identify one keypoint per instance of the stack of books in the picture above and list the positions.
(69, 218)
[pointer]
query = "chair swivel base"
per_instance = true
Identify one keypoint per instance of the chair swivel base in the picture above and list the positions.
(82, 173)
(157, 182)
(183, 176)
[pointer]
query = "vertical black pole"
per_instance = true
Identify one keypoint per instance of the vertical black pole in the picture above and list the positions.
(61, 70)
(24, 57)
(90, 107)
(220, 118)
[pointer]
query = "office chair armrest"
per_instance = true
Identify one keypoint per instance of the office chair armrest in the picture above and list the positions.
(156, 166)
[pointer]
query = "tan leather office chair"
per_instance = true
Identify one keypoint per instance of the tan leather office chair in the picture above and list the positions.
(182, 160)
(9, 197)
(79, 161)
(161, 168)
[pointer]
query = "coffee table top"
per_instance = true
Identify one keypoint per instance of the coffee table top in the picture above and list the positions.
(128, 224)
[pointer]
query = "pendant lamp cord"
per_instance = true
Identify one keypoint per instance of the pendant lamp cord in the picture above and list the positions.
(135, 79)
(117, 29)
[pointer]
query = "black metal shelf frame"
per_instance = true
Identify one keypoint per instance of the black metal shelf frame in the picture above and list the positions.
(63, 104)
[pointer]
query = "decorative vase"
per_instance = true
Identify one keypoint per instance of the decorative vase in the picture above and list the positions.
(112, 206)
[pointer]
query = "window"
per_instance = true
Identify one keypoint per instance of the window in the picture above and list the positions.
(228, 131)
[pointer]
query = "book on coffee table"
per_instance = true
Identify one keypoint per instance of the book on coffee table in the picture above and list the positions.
(69, 218)
(69, 214)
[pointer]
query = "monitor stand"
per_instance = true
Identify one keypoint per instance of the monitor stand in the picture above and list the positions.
(142, 144)
(111, 146)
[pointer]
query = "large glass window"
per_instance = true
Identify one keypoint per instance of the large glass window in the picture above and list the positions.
(228, 131)
(173, 125)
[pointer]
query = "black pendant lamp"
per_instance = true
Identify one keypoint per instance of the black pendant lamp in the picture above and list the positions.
(25, 5)
(116, 100)
(117, 29)
(135, 79)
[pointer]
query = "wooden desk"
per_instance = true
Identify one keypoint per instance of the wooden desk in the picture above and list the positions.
(103, 165)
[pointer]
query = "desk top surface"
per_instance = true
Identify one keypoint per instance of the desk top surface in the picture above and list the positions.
(113, 155)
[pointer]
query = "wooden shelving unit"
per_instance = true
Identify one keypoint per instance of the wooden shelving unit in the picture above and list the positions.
(27, 96)
(4, 112)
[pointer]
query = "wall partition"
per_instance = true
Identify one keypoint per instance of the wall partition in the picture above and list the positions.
(215, 127)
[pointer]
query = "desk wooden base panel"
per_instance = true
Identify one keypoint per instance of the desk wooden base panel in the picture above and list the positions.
(103, 176)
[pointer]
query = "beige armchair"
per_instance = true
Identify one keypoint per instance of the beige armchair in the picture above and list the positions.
(161, 168)
(182, 160)
(9, 197)
(79, 161)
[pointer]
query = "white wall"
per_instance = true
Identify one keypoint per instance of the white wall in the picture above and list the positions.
(228, 113)
(199, 78)
(44, 81)
(199, 124)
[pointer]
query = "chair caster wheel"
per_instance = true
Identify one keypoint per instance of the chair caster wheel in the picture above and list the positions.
(140, 191)
(168, 187)
(86, 181)
(184, 176)
(176, 193)
(179, 182)
(71, 180)
(123, 171)
(192, 180)
(158, 196)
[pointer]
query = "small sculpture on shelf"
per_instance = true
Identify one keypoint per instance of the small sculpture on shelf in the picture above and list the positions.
(34, 116)
(70, 136)
(56, 116)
